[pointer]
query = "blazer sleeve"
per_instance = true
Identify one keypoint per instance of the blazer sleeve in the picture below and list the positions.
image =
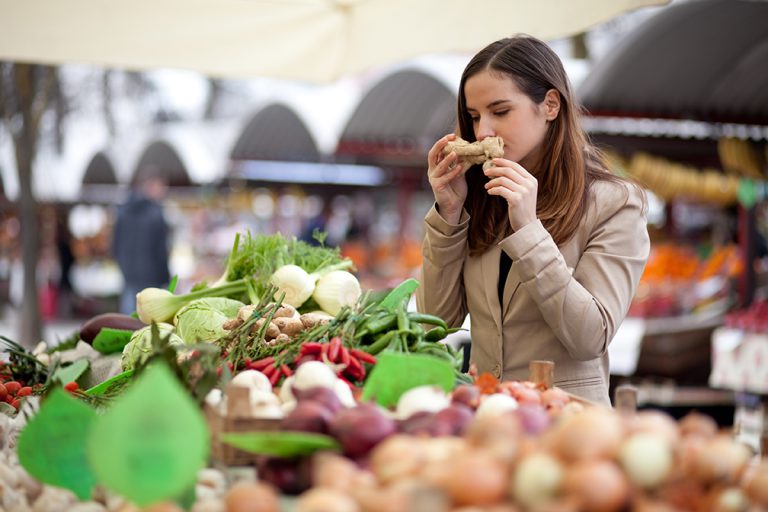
(585, 308)
(442, 286)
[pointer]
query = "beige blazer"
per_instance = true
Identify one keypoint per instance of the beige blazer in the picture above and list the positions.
(560, 303)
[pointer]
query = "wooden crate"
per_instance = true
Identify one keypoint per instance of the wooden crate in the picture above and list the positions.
(234, 416)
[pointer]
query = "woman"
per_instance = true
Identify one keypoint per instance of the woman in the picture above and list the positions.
(545, 248)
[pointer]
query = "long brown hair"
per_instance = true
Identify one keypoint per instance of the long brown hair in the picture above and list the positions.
(567, 164)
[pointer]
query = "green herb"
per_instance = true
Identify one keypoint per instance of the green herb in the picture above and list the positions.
(259, 256)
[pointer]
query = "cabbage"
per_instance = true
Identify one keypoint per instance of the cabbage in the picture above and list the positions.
(138, 350)
(202, 320)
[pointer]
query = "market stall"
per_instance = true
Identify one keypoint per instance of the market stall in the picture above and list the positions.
(285, 386)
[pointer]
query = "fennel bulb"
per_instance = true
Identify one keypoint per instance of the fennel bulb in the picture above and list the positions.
(160, 305)
(138, 350)
(335, 290)
(298, 285)
(295, 283)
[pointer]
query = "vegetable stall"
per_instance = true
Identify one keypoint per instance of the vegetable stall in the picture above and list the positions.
(283, 385)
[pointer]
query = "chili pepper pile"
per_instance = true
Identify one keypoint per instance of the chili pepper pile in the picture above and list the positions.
(350, 362)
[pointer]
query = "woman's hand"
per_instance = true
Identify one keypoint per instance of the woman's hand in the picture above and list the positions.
(446, 177)
(517, 186)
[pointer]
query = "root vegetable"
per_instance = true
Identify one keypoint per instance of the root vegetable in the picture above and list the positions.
(593, 433)
(314, 374)
(597, 485)
(755, 484)
(252, 497)
(697, 424)
(308, 416)
(533, 418)
(344, 393)
(495, 405)
(253, 380)
(453, 420)
(721, 459)
(421, 399)
(288, 325)
(646, 459)
(537, 479)
(315, 318)
(361, 428)
(325, 397)
(285, 311)
(476, 478)
(397, 457)
(325, 500)
(467, 394)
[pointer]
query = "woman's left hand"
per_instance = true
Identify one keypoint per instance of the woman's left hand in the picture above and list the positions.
(517, 186)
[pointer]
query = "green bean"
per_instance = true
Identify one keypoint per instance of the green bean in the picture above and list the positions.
(423, 318)
(381, 343)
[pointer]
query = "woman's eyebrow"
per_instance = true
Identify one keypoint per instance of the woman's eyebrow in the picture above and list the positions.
(492, 104)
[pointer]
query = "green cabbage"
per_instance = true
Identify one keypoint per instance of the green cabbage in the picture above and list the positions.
(202, 320)
(138, 350)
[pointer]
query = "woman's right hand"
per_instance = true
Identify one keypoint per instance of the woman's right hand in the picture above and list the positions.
(446, 177)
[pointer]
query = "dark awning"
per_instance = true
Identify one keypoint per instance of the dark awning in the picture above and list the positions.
(276, 132)
(705, 60)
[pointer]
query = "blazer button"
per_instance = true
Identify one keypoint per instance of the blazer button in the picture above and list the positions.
(497, 371)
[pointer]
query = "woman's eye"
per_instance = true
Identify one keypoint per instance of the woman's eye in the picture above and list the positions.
(501, 113)
(474, 119)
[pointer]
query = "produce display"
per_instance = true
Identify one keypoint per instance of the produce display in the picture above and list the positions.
(285, 386)
(680, 280)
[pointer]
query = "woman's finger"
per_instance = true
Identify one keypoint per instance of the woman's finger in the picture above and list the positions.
(447, 177)
(443, 167)
(503, 181)
(512, 198)
(436, 153)
(513, 166)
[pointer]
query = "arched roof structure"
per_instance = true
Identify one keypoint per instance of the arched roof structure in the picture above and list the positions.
(162, 159)
(100, 171)
(276, 132)
(705, 60)
(398, 119)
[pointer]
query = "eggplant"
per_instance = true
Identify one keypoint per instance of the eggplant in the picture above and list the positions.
(92, 327)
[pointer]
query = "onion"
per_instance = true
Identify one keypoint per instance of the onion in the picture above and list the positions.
(499, 435)
(755, 483)
(495, 405)
(537, 479)
(421, 399)
(322, 499)
(476, 478)
(252, 497)
(655, 422)
(593, 433)
(397, 457)
(597, 485)
(646, 459)
(533, 418)
(720, 460)
(313, 374)
(697, 424)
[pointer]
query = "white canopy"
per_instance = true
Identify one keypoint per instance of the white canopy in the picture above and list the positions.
(312, 40)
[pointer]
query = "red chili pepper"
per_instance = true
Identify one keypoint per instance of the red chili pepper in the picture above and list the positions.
(334, 346)
(269, 370)
(275, 377)
(363, 356)
(355, 369)
(323, 352)
(262, 363)
(311, 348)
(286, 370)
(345, 357)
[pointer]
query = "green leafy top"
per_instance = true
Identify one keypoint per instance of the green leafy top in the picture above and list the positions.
(259, 256)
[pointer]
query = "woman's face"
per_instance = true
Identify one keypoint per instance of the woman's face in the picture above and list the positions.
(499, 108)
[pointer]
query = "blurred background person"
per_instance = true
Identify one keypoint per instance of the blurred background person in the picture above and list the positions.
(140, 242)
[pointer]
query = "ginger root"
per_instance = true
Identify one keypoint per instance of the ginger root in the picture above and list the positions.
(472, 153)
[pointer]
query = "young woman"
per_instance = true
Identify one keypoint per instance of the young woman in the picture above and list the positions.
(544, 249)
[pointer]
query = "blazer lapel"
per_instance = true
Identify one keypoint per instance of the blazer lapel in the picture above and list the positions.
(510, 288)
(489, 264)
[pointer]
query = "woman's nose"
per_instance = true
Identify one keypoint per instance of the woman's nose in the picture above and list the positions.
(483, 130)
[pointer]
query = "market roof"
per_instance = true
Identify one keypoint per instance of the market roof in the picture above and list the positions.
(160, 158)
(400, 116)
(100, 171)
(276, 132)
(704, 60)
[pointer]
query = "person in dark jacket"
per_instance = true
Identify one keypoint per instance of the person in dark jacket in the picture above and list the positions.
(140, 242)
